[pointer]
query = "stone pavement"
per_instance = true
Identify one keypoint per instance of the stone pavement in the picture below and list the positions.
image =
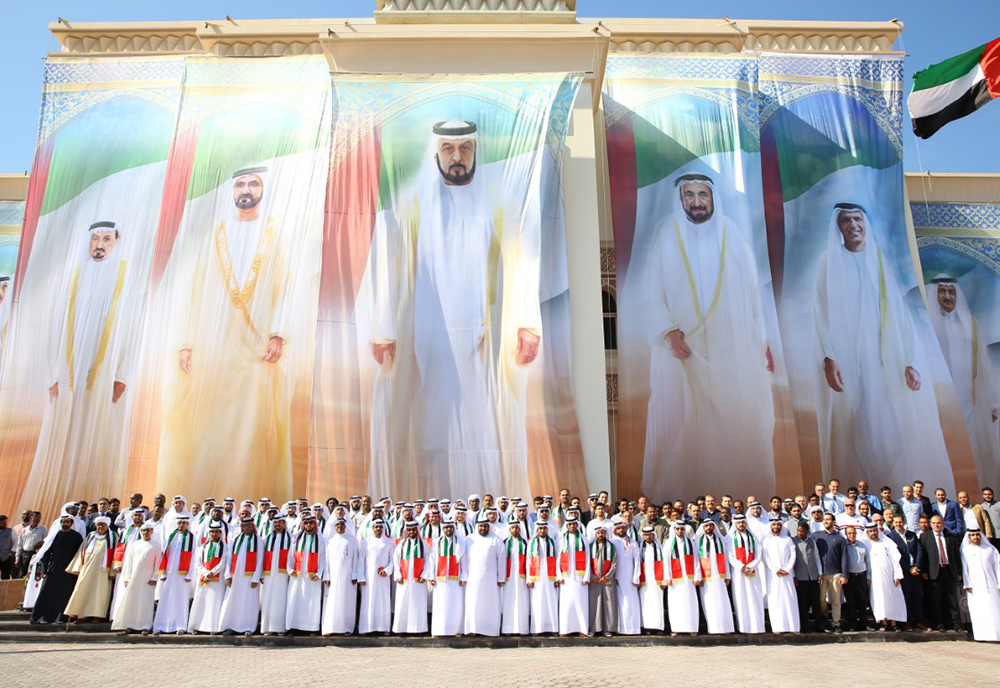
(52, 664)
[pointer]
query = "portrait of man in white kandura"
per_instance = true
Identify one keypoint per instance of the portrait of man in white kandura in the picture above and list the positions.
(964, 345)
(711, 406)
(869, 418)
(88, 357)
(456, 321)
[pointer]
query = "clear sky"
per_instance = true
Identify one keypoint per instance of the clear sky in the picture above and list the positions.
(934, 31)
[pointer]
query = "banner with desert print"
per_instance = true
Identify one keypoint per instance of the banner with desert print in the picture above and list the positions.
(960, 260)
(443, 353)
(224, 389)
(82, 277)
(703, 391)
(873, 397)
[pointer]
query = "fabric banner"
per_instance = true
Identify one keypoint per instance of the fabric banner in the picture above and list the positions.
(11, 218)
(443, 354)
(703, 391)
(960, 260)
(873, 398)
(225, 388)
(82, 276)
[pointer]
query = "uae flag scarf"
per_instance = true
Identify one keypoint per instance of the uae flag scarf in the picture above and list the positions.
(954, 88)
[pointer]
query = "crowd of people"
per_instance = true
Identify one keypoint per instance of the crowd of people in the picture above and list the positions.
(829, 561)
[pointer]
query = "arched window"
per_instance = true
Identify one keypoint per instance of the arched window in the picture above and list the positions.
(610, 307)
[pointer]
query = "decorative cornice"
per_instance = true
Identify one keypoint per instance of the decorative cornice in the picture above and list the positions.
(454, 18)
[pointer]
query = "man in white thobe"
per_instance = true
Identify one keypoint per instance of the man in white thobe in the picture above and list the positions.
(867, 413)
(574, 577)
(782, 602)
(127, 535)
(981, 579)
(210, 593)
(448, 577)
(486, 561)
(278, 557)
(134, 610)
(88, 367)
(305, 589)
(376, 554)
(177, 570)
(437, 334)
(683, 579)
(715, 579)
(652, 580)
(243, 574)
(543, 581)
(706, 325)
(344, 570)
(886, 575)
(745, 557)
(408, 564)
(516, 596)
(965, 348)
(627, 578)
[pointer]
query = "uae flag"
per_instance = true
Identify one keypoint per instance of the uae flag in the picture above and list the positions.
(954, 88)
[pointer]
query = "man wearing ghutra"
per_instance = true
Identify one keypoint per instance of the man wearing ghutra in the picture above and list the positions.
(710, 361)
(88, 369)
(437, 332)
(231, 346)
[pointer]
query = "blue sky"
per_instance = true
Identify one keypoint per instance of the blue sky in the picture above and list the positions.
(934, 31)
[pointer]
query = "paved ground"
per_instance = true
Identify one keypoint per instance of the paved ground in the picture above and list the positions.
(32, 664)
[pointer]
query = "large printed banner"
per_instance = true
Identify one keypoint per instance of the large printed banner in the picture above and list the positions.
(772, 329)
(11, 218)
(961, 267)
(237, 278)
(83, 275)
(704, 401)
(443, 362)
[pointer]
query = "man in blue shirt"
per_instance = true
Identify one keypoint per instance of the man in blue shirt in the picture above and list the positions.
(831, 547)
(912, 509)
(834, 501)
(871, 499)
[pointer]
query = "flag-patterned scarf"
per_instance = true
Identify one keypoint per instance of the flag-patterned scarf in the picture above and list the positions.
(602, 557)
(248, 544)
(447, 559)
(709, 547)
(745, 545)
(658, 574)
(411, 562)
(280, 542)
(541, 548)
(573, 555)
(517, 547)
(186, 547)
(307, 547)
(211, 555)
(123, 543)
(681, 562)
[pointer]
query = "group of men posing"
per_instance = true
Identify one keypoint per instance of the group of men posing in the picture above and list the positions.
(479, 567)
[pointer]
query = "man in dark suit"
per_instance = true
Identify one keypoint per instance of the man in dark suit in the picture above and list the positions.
(943, 569)
(103, 506)
(950, 511)
(912, 560)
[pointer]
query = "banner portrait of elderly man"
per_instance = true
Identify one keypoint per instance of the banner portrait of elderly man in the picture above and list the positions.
(964, 346)
(456, 322)
(88, 371)
(226, 412)
(710, 362)
(866, 339)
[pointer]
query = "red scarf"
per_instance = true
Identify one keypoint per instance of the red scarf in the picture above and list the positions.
(250, 561)
(306, 541)
(411, 561)
(184, 561)
(283, 542)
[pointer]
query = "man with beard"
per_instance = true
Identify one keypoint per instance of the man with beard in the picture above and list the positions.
(88, 369)
(706, 325)
(231, 348)
(447, 344)
(965, 348)
(305, 589)
(58, 585)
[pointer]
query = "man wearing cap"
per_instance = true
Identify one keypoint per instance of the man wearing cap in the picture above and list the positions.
(344, 570)
(486, 563)
(242, 576)
(278, 558)
(134, 605)
(88, 367)
(745, 558)
(448, 338)
(376, 554)
(779, 557)
(981, 580)
(210, 585)
(516, 595)
(308, 570)
(93, 566)
(410, 561)
(706, 324)
(177, 569)
(231, 353)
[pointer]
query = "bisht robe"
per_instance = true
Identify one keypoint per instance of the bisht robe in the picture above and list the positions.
(95, 577)
(58, 585)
